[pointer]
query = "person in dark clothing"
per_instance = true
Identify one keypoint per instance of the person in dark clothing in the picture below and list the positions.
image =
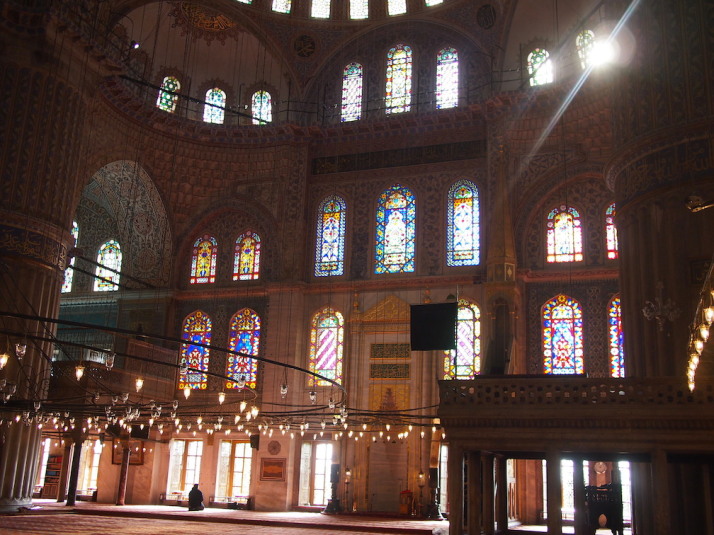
(195, 499)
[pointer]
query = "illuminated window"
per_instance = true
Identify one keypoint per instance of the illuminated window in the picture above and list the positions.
(564, 235)
(562, 336)
(69, 271)
(203, 260)
(447, 79)
(399, 80)
(617, 361)
(396, 7)
(281, 6)
(396, 214)
(245, 1)
(234, 468)
(244, 336)
(184, 467)
(168, 94)
(610, 232)
(326, 341)
(262, 107)
(196, 330)
(352, 92)
(107, 273)
(465, 361)
(540, 67)
(215, 108)
(330, 247)
(320, 9)
(89, 466)
(359, 9)
(462, 235)
(430, 3)
(585, 45)
(246, 261)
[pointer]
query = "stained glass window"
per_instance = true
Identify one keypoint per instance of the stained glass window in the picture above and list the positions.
(611, 232)
(326, 341)
(168, 94)
(359, 9)
(462, 239)
(69, 271)
(262, 107)
(585, 45)
(196, 330)
(447, 79)
(215, 108)
(330, 247)
(396, 7)
(465, 361)
(246, 261)
(244, 336)
(396, 214)
(617, 354)
(321, 9)
(352, 92)
(562, 336)
(540, 67)
(399, 80)
(281, 6)
(203, 261)
(107, 273)
(565, 241)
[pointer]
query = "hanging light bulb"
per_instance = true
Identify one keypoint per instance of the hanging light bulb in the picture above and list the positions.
(199, 420)
(243, 404)
(709, 314)
(139, 383)
(241, 381)
(313, 396)
(283, 390)
(704, 331)
(109, 360)
(3, 360)
(186, 391)
(221, 397)
(254, 411)
(79, 371)
(20, 350)
(331, 403)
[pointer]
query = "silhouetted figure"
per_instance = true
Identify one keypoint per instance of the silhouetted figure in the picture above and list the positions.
(195, 499)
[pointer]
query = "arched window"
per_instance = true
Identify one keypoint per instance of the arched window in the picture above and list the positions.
(396, 214)
(320, 9)
(585, 45)
(168, 94)
(352, 93)
(326, 343)
(69, 271)
(396, 7)
(430, 3)
(262, 107)
(107, 273)
(359, 9)
(246, 262)
(203, 261)
(540, 67)
(617, 354)
(244, 336)
(215, 108)
(610, 232)
(465, 361)
(562, 336)
(196, 330)
(564, 235)
(399, 80)
(462, 234)
(330, 246)
(281, 6)
(447, 79)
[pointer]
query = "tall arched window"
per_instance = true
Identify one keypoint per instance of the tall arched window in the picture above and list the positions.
(465, 361)
(215, 108)
(326, 344)
(540, 67)
(282, 6)
(203, 261)
(585, 45)
(462, 234)
(564, 235)
(320, 9)
(396, 215)
(610, 232)
(69, 271)
(262, 107)
(359, 9)
(396, 7)
(352, 93)
(107, 273)
(246, 261)
(168, 94)
(196, 330)
(447, 78)
(562, 336)
(399, 80)
(330, 246)
(617, 354)
(244, 336)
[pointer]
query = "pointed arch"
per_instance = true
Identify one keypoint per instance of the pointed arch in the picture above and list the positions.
(326, 346)
(585, 45)
(540, 67)
(261, 105)
(214, 109)
(562, 321)
(462, 225)
(465, 361)
(396, 231)
(109, 260)
(168, 94)
(352, 93)
(330, 237)
(243, 336)
(203, 260)
(69, 270)
(610, 232)
(564, 235)
(447, 78)
(196, 330)
(615, 338)
(398, 95)
(246, 260)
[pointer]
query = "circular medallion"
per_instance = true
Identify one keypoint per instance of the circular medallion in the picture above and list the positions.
(273, 447)
(304, 46)
(486, 16)
(600, 467)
